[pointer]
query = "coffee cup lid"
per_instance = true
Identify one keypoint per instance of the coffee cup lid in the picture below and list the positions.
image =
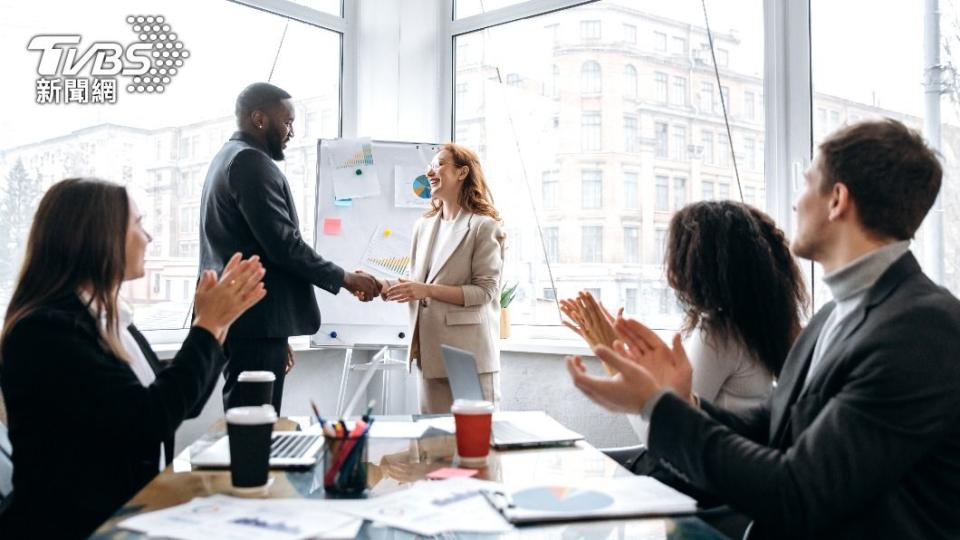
(471, 406)
(262, 414)
(256, 376)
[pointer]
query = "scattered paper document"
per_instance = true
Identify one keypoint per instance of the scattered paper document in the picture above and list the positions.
(397, 430)
(592, 498)
(430, 508)
(220, 517)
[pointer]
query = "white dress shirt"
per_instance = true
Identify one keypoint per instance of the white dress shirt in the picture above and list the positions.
(138, 362)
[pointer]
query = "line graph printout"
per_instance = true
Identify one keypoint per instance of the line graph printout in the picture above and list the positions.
(352, 162)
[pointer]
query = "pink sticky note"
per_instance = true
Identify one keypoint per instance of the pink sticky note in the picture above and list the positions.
(331, 226)
(450, 472)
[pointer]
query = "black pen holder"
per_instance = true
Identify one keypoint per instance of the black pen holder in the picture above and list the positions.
(345, 466)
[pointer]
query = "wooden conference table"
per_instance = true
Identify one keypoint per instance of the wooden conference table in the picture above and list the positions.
(393, 463)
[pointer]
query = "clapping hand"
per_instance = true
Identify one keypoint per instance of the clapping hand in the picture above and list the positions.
(591, 321)
(644, 363)
(668, 366)
(218, 302)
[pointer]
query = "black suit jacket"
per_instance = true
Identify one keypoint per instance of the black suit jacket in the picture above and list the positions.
(85, 431)
(870, 449)
(157, 366)
(247, 206)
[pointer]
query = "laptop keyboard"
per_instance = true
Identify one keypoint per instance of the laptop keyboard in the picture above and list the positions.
(290, 446)
(504, 432)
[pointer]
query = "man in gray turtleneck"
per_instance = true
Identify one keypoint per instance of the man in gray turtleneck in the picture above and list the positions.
(861, 437)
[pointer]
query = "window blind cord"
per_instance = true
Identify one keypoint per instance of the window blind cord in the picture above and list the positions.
(526, 182)
(723, 101)
(276, 57)
(523, 173)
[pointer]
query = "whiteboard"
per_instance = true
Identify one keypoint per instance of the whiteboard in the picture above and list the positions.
(370, 233)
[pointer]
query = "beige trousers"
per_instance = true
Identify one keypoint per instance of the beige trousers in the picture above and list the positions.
(436, 397)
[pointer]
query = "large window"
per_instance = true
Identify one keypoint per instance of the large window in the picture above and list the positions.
(878, 70)
(626, 156)
(160, 145)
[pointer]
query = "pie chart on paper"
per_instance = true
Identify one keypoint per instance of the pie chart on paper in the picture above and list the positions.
(561, 499)
(421, 186)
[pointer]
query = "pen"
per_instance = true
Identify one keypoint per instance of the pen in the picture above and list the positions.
(366, 415)
(491, 496)
(316, 411)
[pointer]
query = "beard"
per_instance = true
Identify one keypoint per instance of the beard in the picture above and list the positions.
(275, 145)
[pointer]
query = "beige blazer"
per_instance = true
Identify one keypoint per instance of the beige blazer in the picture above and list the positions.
(472, 258)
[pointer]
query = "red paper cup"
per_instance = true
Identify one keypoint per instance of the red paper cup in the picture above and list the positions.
(473, 421)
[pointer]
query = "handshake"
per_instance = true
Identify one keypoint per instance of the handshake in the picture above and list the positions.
(366, 287)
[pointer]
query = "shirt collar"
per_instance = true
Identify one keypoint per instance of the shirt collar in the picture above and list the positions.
(864, 271)
(124, 310)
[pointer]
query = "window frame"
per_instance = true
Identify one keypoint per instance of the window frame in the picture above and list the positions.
(786, 98)
(345, 27)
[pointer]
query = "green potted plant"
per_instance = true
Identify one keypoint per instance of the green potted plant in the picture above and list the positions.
(507, 293)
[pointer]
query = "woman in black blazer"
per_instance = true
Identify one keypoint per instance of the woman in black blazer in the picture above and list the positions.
(92, 412)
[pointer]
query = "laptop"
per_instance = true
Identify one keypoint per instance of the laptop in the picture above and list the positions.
(288, 450)
(520, 429)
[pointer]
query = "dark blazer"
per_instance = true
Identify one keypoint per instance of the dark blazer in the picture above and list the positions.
(85, 431)
(247, 206)
(870, 449)
(157, 366)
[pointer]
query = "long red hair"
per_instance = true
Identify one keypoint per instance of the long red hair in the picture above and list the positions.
(475, 195)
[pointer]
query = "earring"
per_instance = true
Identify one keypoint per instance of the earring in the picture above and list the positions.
(260, 126)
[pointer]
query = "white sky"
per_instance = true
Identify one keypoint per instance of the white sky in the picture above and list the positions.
(861, 49)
